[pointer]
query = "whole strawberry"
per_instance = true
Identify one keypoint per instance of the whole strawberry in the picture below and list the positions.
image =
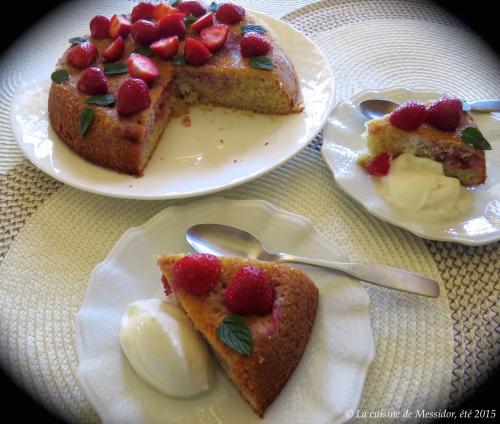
(409, 116)
(253, 44)
(99, 26)
(82, 55)
(93, 82)
(445, 113)
(230, 13)
(132, 97)
(197, 274)
(250, 292)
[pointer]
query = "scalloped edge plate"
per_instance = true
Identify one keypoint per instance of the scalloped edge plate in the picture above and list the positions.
(343, 142)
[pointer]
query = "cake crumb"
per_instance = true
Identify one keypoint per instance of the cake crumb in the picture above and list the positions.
(130, 185)
(221, 141)
(266, 143)
(186, 121)
(161, 157)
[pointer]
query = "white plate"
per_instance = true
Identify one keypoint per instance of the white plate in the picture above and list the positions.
(188, 161)
(329, 379)
(343, 143)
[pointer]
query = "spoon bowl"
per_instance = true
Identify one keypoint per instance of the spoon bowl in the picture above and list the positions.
(224, 240)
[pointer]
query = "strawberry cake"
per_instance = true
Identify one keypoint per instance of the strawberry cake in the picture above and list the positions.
(440, 130)
(114, 91)
(256, 316)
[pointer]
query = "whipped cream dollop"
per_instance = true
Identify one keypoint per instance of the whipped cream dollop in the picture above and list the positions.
(164, 349)
(419, 187)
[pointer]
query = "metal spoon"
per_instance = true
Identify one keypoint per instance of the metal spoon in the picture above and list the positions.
(223, 240)
(377, 108)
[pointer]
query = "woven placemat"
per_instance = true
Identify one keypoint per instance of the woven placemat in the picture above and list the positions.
(40, 294)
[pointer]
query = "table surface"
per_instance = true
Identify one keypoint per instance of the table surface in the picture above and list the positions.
(430, 354)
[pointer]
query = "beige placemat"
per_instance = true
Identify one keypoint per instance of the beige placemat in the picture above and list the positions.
(45, 269)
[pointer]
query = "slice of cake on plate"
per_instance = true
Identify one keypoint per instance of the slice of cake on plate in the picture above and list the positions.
(115, 90)
(256, 316)
(440, 130)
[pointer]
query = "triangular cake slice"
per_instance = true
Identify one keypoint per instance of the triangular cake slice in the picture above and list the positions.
(279, 336)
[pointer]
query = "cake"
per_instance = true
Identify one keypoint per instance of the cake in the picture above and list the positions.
(279, 312)
(440, 130)
(220, 56)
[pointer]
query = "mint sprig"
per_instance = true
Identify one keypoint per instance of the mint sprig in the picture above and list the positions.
(233, 332)
(179, 60)
(213, 7)
(104, 100)
(86, 118)
(473, 137)
(115, 68)
(189, 19)
(261, 62)
(60, 76)
(245, 29)
(77, 40)
(145, 51)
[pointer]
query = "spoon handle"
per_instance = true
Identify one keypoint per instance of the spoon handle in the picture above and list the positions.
(492, 105)
(391, 278)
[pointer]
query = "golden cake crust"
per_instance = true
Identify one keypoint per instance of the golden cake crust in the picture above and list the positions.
(280, 337)
(126, 143)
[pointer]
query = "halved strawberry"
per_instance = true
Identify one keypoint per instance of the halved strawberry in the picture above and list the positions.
(203, 22)
(143, 10)
(82, 55)
(173, 25)
(99, 26)
(230, 13)
(166, 47)
(145, 32)
(142, 67)
(161, 10)
(192, 7)
(115, 50)
(119, 25)
(214, 36)
(93, 82)
(195, 52)
(253, 44)
(132, 97)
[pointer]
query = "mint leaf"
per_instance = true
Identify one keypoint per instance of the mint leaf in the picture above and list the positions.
(104, 100)
(145, 51)
(474, 138)
(77, 40)
(179, 60)
(60, 76)
(173, 3)
(233, 332)
(115, 68)
(213, 7)
(245, 29)
(261, 62)
(189, 19)
(86, 119)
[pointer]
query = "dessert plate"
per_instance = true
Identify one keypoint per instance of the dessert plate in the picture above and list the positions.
(330, 376)
(220, 149)
(343, 143)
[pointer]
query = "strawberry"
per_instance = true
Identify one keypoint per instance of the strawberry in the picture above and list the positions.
(115, 50)
(166, 287)
(132, 97)
(99, 26)
(173, 25)
(230, 13)
(119, 25)
(93, 82)
(161, 10)
(445, 113)
(195, 52)
(203, 22)
(409, 116)
(145, 32)
(82, 55)
(254, 44)
(194, 8)
(379, 166)
(143, 10)
(250, 292)
(142, 67)
(197, 274)
(214, 36)
(166, 47)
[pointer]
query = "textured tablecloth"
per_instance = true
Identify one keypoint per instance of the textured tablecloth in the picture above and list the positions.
(430, 353)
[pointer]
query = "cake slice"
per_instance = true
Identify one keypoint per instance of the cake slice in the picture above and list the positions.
(276, 303)
(439, 132)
